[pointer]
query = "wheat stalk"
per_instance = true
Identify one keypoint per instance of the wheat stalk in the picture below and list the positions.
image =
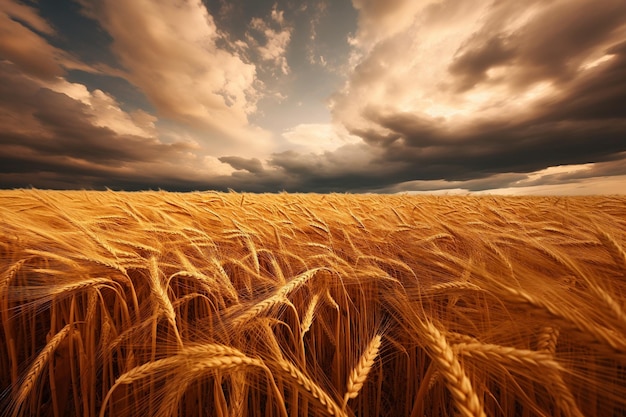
(593, 286)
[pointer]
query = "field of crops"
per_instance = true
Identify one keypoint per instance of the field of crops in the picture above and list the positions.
(226, 304)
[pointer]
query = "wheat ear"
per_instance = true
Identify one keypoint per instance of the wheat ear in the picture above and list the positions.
(36, 368)
(520, 359)
(224, 362)
(454, 285)
(80, 285)
(298, 281)
(547, 339)
(163, 301)
(195, 353)
(506, 354)
(8, 275)
(264, 306)
(458, 383)
(192, 360)
(600, 333)
(309, 385)
(307, 319)
(362, 369)
(615, 250)
(258, 309)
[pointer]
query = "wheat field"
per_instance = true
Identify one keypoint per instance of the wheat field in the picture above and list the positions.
(227, 304)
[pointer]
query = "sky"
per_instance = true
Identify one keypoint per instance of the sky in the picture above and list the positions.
(382, 96)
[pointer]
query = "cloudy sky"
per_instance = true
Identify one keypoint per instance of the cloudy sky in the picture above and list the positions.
(498, 96)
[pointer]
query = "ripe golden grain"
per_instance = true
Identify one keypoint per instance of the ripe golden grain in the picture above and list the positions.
(458, 383)
(362, 369)
(224, 304)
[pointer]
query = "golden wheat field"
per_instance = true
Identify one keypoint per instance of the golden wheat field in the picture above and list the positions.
(226, 304)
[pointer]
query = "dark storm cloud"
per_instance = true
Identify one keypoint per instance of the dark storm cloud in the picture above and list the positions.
(491, 182)
(472, 64)
(346, 169)
(551, 46)
(352, 167)
(46, 134)
(252, 165)
(599, 94)
(24, 40)
(495, 148)
(559, 40)
(66, 128)
(24, 46)
(349, 168)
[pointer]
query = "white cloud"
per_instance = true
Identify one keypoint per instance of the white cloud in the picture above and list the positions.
(212, 166)
(106, 111)
(319, 137)
(545, 174)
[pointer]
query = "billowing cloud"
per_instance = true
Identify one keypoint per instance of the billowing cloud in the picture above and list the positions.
(462, 91)
(105, 110)
(57, 138)
(171, 51)
(430, 95)
(560, 39)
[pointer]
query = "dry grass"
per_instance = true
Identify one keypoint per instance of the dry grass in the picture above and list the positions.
(212, 304)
